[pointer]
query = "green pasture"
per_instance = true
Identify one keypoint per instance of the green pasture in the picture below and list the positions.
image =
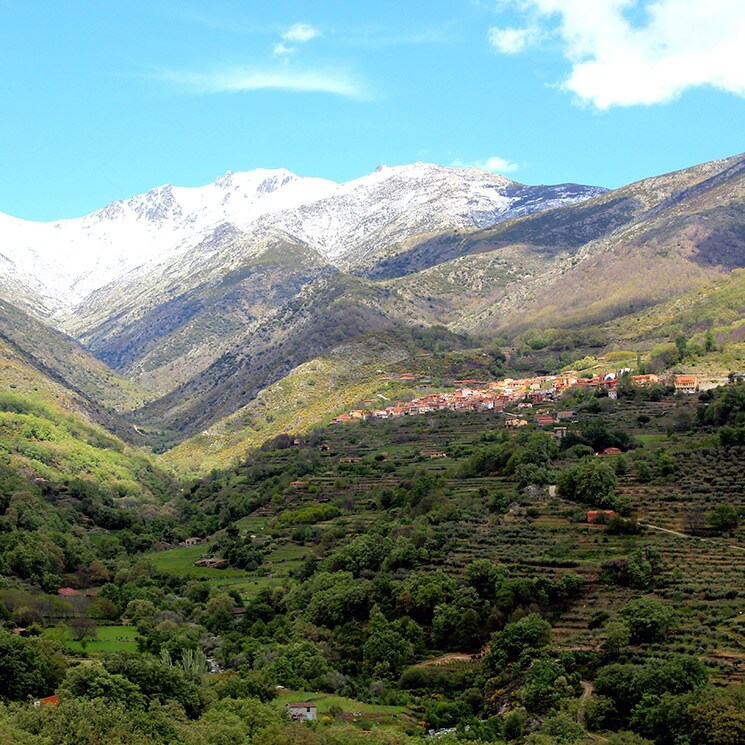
(374, 713)
(180, 561)
(253, 524)
(651, 440)
(107, 639)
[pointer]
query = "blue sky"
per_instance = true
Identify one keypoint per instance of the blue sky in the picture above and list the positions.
(101, 100)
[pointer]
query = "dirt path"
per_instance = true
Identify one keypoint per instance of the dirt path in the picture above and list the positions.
(671, 532)
(586, 693)
(685, 535)
(454, 657)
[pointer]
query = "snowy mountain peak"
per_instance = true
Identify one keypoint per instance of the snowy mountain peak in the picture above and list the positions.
(261, 180)
(66, 261)
(158, 205)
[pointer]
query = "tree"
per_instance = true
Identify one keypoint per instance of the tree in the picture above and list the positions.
(94, 681)
(681, 344)
(724, 517)
(28, 667)
(513, 726)
(617, 636)
(385, 644)
(545, 684)
(592, 481)
(530, 632)
(719, 719)
(648, 619)
(156, 680)
(482, 574)
(82, 627)
(710, 341)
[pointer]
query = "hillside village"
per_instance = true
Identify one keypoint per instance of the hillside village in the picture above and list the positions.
(523, 394)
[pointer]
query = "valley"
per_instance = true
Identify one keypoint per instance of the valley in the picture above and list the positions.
(429, 451)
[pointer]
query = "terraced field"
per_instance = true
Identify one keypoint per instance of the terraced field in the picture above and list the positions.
(535, 535)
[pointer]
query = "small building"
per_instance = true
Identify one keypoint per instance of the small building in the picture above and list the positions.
(566, 414)
(48, 701)
(600, 516)
(644, 381)
(211, 563)
(687, 384)
(612, 451)
(305, 711)
(544, 419)
(68, 592)
(515, 422)
(192, 541)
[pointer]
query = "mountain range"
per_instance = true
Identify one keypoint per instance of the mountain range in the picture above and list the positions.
(173, 311)
(67, 261)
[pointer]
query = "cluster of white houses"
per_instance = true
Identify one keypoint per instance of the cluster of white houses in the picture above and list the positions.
(473, 395)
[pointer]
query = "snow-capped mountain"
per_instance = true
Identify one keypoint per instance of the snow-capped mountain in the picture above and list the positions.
(61, 263)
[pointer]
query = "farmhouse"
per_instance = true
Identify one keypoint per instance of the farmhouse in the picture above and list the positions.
(305, 711)
(544, 419)
(687, 384)
(211, 563)
(600, 516)
(644, 381)
(515, 422)
(48, 701)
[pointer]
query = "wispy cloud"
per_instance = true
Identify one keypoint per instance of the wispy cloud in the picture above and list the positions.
(631, 52)
(377, 37)
(493, 163)
(511, 40)
(300, 33)
(239, 80)
(281, 49)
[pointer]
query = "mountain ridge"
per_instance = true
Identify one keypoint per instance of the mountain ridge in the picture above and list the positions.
(63, 262)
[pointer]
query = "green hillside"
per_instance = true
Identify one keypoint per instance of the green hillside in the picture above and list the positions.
(63, 360)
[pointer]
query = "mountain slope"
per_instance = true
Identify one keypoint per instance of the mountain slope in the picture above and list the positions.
(324, 314)
(179, 318)
(98, 391)
(50, 432)
(620, 251)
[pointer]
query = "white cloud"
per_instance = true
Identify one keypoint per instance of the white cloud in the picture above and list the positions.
(511, 40)
(494, 163)
(282, 50)
(629, 52)
(300, 33)
(237, 80)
